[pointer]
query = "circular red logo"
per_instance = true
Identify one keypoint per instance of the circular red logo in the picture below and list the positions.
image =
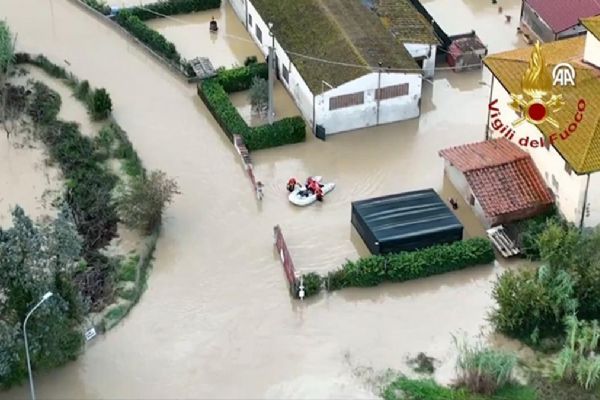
(537, 111)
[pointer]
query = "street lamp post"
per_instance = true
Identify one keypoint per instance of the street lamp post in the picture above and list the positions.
(271, 64)
(44, 298)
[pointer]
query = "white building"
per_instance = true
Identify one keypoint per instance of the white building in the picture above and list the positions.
(568, 157)
(349, 93)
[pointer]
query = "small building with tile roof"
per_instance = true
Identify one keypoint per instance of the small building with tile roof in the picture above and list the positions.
(498, 180)
(343, 68)
(549, 20)
(567, 155)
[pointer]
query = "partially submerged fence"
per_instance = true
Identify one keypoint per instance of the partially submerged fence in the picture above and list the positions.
(286, 261)
(240, 146)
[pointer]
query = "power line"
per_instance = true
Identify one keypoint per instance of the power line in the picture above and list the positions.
(318, 59)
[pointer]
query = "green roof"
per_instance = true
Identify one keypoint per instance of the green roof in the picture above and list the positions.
(337, 30)
(406, 23)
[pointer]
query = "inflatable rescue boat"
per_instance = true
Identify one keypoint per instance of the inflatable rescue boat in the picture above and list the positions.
(302, 195)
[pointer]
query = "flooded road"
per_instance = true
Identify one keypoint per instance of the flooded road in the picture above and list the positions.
(217, 320)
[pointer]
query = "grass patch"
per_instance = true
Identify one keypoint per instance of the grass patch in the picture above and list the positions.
(426, 389)
(128, 271)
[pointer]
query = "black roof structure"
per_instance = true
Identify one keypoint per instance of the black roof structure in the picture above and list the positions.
(405, 221)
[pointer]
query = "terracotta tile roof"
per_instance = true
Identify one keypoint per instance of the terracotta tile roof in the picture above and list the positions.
(582, 149)
(592, 24)
(503, 178)
(563, 14)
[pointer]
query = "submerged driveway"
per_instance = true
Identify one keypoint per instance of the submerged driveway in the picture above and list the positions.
(216, 320)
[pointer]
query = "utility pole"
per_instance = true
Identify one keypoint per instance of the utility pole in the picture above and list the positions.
(271, 72)
(378, 91)
(43, 299)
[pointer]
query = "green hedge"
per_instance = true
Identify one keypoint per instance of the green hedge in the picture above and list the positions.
(404, 266)
(98, 5)
(238, 79)
(172, 7)
(285, 131)
(150, 37)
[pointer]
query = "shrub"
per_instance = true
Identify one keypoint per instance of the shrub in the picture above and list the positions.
(6, 47)
(99, 6)
(259, 94)
(239, 79)
(427, 389)
(89, 186)
(128, 270)
(82, 91)
(100, 104)
(285, 131)
(373, 270)
(312, 284)
(578, 362)
(250, 60)
(143, 201)
(483, 370)
(146, 35)
(529, 230)
(47, 66)
(532, 304)
(45, 104)
(172, 7)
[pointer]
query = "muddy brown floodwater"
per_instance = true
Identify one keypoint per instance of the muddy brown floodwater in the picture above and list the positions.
(217, 320)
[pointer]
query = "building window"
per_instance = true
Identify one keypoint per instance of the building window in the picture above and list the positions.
(547, 144)
(258, 34)
(568, 168)
(389, 92)
(471, 199)
(554, 182)
(249, 19)
(286, 74)
(346, 100)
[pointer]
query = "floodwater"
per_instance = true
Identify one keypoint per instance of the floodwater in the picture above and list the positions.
(283, 106)
(228, 47)
(217, 320)
(25, 178)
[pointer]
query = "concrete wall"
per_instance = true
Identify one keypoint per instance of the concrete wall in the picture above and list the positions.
(427, 51)
(573, 31)
(364, 115)
(459, 181)
(533, 25)
(591, 52)
(568, 188)
(239, 6)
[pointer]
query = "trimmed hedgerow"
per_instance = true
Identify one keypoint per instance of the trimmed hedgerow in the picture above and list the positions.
(285, 131)
(404, 266)
(172, 7)
(238, 79)
(148, 36)
(98, 5)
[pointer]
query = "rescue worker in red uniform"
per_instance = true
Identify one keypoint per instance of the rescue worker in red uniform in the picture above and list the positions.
(291, 185)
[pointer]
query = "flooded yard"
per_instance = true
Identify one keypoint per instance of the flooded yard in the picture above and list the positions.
(217, 320)
(230, 46)
(283, 104)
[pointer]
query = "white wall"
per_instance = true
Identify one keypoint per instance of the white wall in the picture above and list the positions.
(239, 6)
(295, 85)
(364, 115)
(459, 181)
(591, 52)
(592, 214)
(423, 50)
(568, 189)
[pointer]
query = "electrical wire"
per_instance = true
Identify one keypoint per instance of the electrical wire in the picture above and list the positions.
(318, 59)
